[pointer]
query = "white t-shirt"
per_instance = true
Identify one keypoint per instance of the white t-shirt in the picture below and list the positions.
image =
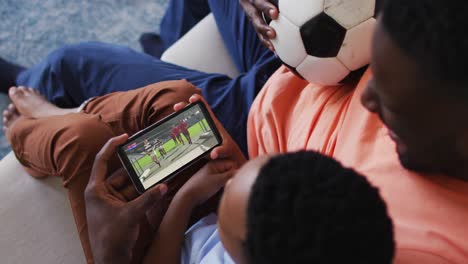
(202, 244)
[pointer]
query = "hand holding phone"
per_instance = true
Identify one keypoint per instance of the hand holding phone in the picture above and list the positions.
(114, 222)
(206, 182)
(229, 148)
(161, 151)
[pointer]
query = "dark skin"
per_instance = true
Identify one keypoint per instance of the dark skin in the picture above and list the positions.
(254, 9)
(114, 222)
(429, 128)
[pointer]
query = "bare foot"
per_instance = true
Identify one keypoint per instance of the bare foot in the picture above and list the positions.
(30, 103)
(10, 115)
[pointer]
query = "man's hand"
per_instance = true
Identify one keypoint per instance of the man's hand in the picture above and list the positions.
(254, 9)
(113, 223)
(206, 182)
(229, 149)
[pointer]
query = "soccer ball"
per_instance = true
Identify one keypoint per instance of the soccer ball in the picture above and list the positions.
(324, 41)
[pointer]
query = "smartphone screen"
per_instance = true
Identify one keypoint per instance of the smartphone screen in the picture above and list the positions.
(167, 147)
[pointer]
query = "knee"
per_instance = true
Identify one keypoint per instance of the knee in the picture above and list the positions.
(77, 143)
(71, 54)
(174, 91)
(162, 97)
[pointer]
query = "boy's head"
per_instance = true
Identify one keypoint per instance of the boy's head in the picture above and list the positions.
(420, 83)
(303, 208)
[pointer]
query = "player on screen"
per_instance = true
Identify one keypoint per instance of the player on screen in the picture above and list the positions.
(176, 132)
(150, 152)
(183, 126)
(159, 144)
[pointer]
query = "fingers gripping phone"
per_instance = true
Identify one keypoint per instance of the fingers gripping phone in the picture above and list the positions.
(164, 149)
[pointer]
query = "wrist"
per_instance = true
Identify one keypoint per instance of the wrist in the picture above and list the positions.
(186, 199)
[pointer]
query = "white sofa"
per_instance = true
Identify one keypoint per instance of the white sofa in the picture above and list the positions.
(37, 225)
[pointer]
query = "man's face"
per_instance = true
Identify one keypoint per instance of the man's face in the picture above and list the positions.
(232, 211)
(423, 124)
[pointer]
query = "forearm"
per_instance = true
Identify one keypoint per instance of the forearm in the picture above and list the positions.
(167, 244)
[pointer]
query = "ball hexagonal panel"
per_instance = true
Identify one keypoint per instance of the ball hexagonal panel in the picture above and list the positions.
(300, 11)
(288, 42)
(322, 36)
(356, 49)
(322, 71)
(350, 13)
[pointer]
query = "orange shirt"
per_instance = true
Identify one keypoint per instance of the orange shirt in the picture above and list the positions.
(430, 213)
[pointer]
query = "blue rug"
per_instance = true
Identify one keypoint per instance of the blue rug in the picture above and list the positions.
(30, 29)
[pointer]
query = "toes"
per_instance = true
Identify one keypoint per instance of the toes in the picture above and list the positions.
(6, 117)
(6, 122)
(6, 114)
(12, 108)
(23, 90)
(12, 91)
(17, 92)
(9, 113)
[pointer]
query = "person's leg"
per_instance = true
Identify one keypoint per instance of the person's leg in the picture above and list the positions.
(238, 33)
(187, 136)
(8, 73)
(61, 139)
(75, 73)
(241, 39)
(155, 159)
(179, 137)
(180, 17)
(76, 138)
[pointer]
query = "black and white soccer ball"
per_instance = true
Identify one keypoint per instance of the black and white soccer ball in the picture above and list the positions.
(324, 41)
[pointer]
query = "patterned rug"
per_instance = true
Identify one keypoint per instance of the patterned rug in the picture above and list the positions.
(30, 29)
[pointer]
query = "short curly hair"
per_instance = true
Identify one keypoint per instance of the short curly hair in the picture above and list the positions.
(433, 33)
(307, 208)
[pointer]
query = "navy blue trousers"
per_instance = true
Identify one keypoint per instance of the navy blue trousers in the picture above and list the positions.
(74, 73)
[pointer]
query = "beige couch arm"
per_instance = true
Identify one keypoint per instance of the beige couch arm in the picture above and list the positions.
(37, 225)
(35, 217)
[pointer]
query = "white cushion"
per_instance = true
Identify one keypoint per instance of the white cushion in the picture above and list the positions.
(203, 49)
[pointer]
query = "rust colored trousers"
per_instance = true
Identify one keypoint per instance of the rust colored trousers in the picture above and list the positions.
(65, 146)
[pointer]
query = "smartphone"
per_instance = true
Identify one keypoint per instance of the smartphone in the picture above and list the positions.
(164, 149)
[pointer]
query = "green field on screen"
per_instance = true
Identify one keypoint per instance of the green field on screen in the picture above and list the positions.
(194, 130)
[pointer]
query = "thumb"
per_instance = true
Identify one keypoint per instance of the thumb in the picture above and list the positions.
(223, 177)
(139, 206)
